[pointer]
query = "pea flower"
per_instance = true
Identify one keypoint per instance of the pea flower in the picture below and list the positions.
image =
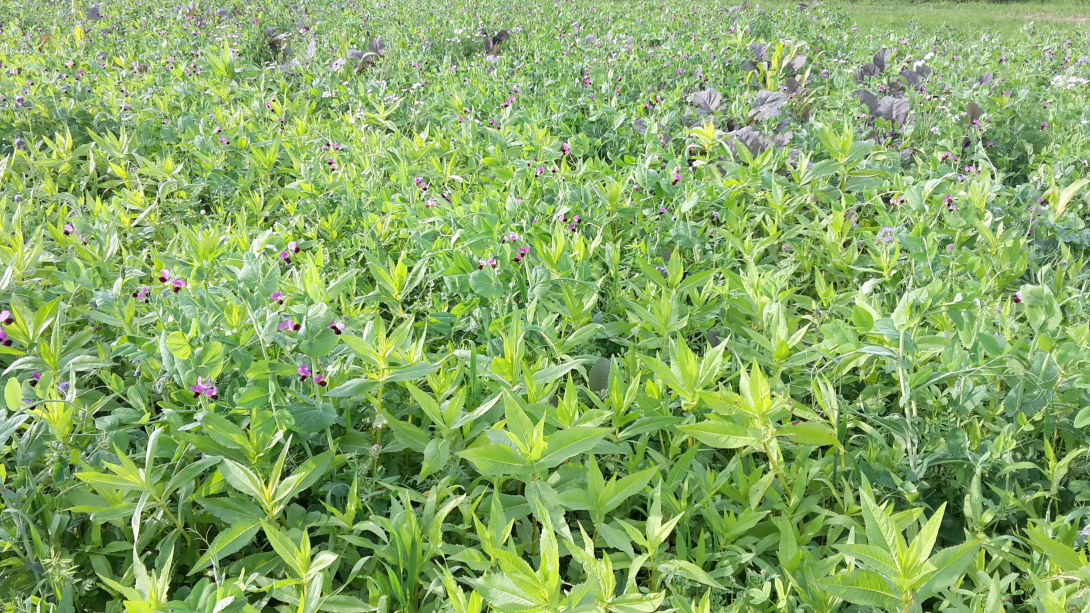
(207, 388)
(6, 318)
(522, 251)
(178, 285)
(565, 149)
(489, 262)
(4, 340)
(289, 324)
(337, 327)
(886, 235)
(304, 373)
(141, 294)
(34, 379)
(286, 254)
(320, 380)
(1017, 298)
(164, 275)
(277, 296)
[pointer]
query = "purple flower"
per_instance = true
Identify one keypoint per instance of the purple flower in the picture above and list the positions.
(948, 200)
(34, 379)
(1017, 297)
(663, 270)
(285, 257)
(208, 388)
(6, 318)
(164, 275)
(68, 229)
(277, 296)
(4, 340)
(337, 327)
(1044, 124)
(950, 248)
(304, 373)
(886, 234)
(289, 324)
(565, 149)
(320, 380)
(489, 262)
(178, 285)
(824, 73)
(141, 295)
(293, 247)
(522, 251)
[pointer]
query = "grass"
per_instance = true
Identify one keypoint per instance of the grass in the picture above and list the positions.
(1004, 18)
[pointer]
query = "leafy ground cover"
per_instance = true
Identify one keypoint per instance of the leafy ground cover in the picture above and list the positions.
(1007, 18)
(449, 306)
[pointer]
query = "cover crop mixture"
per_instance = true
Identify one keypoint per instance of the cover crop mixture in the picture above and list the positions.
(528, 306)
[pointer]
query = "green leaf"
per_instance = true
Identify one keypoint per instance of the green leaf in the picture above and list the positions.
(312, 416)
(485, 285)
(227, 542)
(189, 473)
(496, 460)
(949, 565)
(242, 479)
(178, 345)
(285, 549)
(319, 344)
(408, 434)
(689, 571)
(1063, 556)
(502, 594)
(623, 489)
(719, 434)
(810, 433)
(13, 395)
(863, 587)
(304, 476)
(564, 444)
(436, 455)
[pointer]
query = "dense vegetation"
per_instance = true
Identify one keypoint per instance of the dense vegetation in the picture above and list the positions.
(429, 306)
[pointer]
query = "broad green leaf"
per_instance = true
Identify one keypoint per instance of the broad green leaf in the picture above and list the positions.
(496, 460)
(303, 477)
(13, 395)
(227, 542)
(189, 473)
(863, 587)
(436, 455)
(949, 565)
(719, 434)
(570, 442)
(178, 345)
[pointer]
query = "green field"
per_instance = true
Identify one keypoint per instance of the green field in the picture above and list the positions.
(1007, 17)
(430, 306)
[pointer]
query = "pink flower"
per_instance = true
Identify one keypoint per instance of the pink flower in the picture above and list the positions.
(202, 387)
(289, 324)
(4, 340)
(164, 275)
(178, 285)
(6, 318)
(277, 296)
(337, 327)
(304, 373)
(141, 295)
